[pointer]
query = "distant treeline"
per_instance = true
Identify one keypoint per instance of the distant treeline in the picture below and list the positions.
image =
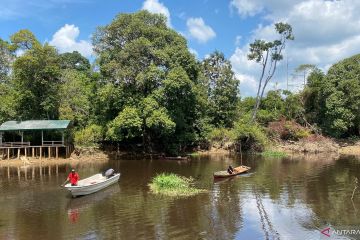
(146, 89)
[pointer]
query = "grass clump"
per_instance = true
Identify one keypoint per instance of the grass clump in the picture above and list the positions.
(170, 184)
(273, 154)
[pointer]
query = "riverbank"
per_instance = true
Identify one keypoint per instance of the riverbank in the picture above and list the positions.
(85, 156)
(314, 144)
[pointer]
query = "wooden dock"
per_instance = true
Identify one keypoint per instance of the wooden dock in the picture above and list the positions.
(10, 150)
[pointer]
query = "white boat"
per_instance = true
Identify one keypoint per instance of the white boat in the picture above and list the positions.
(92, 184)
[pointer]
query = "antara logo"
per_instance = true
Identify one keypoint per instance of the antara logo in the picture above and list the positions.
(326, 232)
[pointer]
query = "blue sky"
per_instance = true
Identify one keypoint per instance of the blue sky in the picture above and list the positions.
(325, 31)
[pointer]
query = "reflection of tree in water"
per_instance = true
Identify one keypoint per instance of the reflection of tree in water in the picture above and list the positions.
(328, 194)
(323, 183)
(225, 211)
(266, 225)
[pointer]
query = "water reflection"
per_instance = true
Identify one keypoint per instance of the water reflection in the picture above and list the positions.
(280, 199)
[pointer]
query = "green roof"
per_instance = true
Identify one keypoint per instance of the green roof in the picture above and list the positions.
(34, 125)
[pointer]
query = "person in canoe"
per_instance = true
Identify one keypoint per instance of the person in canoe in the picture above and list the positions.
(73, 178)
(230, 169)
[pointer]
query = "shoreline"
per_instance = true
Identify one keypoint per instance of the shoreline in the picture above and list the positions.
(343, 148)
(99, 156)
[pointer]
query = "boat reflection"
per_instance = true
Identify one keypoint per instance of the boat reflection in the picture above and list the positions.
(83, 202)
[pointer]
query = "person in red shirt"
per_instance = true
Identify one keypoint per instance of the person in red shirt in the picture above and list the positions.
(73, 178)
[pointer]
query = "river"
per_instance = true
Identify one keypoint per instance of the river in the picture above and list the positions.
(281, 198)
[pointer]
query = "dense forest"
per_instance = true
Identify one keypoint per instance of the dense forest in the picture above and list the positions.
(146, 89)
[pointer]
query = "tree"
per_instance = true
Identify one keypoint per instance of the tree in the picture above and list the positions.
(143, 62)
(268, 54)
(36, 78)
(6, 58)
(222, 89)
(75, 61)
(75, 92)
(333, 100)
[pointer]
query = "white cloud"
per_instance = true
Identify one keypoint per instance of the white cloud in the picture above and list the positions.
(325, 32)
(199, 30)
(65, 40)
(154, 6)
(246, 7)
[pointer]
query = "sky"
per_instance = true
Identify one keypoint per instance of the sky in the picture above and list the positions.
(325, 31)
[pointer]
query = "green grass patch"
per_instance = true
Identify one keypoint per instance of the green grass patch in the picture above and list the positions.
(194, 154)
(170, 184)
(273, 154)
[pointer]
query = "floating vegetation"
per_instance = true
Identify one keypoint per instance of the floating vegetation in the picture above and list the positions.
(170, 184)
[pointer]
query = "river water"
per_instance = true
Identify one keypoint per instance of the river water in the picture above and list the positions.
(281, 198)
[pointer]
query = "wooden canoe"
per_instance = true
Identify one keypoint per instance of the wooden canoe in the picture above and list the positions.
(237, 171)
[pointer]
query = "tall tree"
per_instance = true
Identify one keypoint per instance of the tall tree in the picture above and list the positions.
(36, 77)
(268, 54)
(138, 55)
(222, 89)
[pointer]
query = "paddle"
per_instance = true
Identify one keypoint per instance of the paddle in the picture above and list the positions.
(62, 185)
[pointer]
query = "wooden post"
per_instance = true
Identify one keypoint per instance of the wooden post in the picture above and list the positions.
(57, 152)
(18, 155)
(49, 151)
(25, 152)
(42, 138)
(8, 153)
(40, 153)
(33, 152)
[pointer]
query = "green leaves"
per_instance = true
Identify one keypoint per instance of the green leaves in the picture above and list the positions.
(222, 89)
(333, 100)
(126, 125)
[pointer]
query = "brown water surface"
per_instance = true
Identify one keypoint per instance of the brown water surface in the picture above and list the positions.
(288, 198)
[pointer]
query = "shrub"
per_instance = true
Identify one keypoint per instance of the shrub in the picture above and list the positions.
(250, 136)
(88, 136)
(219, 135)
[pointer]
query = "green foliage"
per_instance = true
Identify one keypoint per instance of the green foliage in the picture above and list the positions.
(273, 154)
(36, 78)
(220, 135)
(76, 92)
(74, 61)
(6, 57)
(8, 100)
(89, 136)
(170, 184)
(126, 125)
(148, 68)
(222, 89)
(249, 135)
(332, 101)
(294, 132)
